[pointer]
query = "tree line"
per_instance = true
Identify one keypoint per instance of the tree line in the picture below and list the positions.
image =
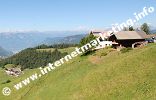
(144, 27)
(32, 58)
(58, 46)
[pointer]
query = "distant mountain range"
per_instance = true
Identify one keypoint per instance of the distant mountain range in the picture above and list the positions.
(16, 41)
(153, 31)
(75, 39)
(4, 53)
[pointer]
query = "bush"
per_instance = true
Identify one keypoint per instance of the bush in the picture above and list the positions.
(6, 81)
(124, 50)
(86, 39)
(90, 52)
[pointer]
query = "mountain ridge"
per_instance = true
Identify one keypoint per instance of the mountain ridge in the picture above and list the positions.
(74, 39)
(5, 53)
(18, 41)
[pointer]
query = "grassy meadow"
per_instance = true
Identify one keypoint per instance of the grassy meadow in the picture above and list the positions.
(105, 75)
(68, 50)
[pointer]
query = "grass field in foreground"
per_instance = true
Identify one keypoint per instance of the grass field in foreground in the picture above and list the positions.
(116, 76)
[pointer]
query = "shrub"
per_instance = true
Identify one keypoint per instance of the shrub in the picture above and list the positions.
(6, 81)
(90, 52)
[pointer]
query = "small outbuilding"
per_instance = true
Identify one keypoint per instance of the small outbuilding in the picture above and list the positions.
(128, 38)
(13, 71)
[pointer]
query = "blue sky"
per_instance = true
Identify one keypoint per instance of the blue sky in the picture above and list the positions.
(59, 15)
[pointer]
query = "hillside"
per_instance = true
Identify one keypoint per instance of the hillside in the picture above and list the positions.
(4, 53)
(68, 50)
(31, 58)
(104, 75)
(38, 56)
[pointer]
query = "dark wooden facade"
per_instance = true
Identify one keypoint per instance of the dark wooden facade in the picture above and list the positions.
(124, 42)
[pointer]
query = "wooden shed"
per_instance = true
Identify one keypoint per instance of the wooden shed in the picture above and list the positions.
(127, 38)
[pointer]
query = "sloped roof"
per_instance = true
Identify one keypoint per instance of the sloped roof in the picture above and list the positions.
(98, 31)
(127, 35)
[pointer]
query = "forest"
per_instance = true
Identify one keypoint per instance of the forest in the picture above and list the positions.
(31, 58)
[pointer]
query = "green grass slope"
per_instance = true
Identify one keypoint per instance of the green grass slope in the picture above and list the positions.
(116, 76)
(68, 50)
